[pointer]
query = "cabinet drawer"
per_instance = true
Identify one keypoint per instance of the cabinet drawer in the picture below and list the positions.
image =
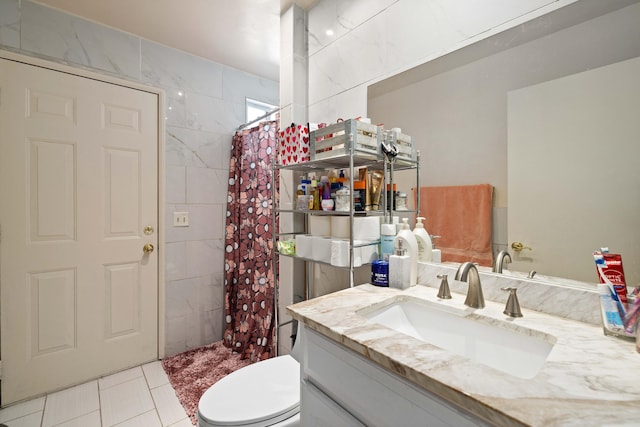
(317, 410)
(372, 394)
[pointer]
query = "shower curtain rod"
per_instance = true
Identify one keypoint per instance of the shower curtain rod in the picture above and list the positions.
(264, 116)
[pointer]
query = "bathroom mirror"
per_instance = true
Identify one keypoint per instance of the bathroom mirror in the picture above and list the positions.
(468, 111)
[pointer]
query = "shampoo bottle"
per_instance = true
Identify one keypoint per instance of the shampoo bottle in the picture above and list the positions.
(387, 237)
(409, 243)
(425, 247)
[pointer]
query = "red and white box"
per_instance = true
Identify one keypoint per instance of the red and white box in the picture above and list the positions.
(293, 145)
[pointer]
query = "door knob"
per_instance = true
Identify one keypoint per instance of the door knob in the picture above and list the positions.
(147, 249)
(517, 246)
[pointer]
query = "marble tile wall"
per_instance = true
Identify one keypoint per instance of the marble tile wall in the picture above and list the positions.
(204, 106)
(293, 104)
(372, 40)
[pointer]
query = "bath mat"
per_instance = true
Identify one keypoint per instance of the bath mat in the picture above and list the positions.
(191, 373)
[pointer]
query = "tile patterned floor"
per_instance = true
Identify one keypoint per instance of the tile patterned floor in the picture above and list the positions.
(137, 397)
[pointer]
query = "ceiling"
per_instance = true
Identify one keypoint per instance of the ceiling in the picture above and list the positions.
(243, 34)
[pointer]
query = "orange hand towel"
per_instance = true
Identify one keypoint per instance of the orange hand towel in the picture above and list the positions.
(461, 216)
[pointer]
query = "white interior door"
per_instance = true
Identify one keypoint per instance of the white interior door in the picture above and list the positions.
(78, 187)
(573, 172)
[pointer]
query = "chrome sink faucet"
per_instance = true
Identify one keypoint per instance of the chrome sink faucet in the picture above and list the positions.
(502, 258)
(469, 271)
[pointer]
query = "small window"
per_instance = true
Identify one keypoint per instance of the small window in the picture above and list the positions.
(257, 109)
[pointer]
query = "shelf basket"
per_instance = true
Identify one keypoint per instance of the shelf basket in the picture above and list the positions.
(403, 143)
(345, 138)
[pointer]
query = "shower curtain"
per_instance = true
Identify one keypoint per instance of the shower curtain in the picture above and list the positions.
(249, 276)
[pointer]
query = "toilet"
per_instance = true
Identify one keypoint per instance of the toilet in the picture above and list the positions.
(265, 393)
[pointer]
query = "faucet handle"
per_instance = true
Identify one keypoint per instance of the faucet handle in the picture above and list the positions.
(513, 306)
(444, 292)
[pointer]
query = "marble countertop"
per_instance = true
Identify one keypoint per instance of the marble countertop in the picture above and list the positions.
(588, 379)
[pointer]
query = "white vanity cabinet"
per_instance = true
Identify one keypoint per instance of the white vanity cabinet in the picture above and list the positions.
(321, 411)
(341, 388)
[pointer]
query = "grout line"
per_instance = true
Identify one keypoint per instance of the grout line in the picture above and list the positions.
(44, 408)
(100, 404)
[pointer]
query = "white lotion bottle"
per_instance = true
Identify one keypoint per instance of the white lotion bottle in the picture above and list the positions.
(411, 245)
(425, 247)
(399, 268)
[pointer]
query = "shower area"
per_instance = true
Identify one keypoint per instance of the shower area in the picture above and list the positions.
(249, 267)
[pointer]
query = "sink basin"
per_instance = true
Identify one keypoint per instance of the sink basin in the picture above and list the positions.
(500, 344)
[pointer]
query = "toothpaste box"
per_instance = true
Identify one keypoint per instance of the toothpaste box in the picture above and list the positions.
(614, 272)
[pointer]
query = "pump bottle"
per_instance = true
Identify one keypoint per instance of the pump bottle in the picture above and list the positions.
(425, 247)
(399, 268)
(411, 245)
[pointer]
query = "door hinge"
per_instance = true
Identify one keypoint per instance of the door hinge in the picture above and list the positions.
(0, 369)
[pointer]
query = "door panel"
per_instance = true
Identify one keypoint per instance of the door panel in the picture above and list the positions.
(78, 184)
(53, 320)
(52, 179)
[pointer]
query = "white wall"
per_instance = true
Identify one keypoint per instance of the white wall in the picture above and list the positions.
(205, 104)
(583, 129)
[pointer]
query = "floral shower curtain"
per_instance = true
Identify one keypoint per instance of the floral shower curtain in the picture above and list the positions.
(249, 276)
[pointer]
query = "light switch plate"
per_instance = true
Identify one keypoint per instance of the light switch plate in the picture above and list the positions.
(181, 219)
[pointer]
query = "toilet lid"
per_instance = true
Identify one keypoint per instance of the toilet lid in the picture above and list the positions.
(259, 394)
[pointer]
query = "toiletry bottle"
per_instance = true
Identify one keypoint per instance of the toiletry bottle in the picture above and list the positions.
(314, 195)
(436, 253)
(300, 200)
(343, 180)
(327, 202)
(377, 180)
(380, 273)
(411, 245)
(401, 201)
(326, 187)
(399, 268)
(358, 195)
(343, 195)
(306, 186)
(387, 236)
(300, 191)
(425, 247)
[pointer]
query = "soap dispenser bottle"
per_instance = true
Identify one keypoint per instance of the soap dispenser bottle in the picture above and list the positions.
(409, 243)
(425, 247)
(399, 268)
